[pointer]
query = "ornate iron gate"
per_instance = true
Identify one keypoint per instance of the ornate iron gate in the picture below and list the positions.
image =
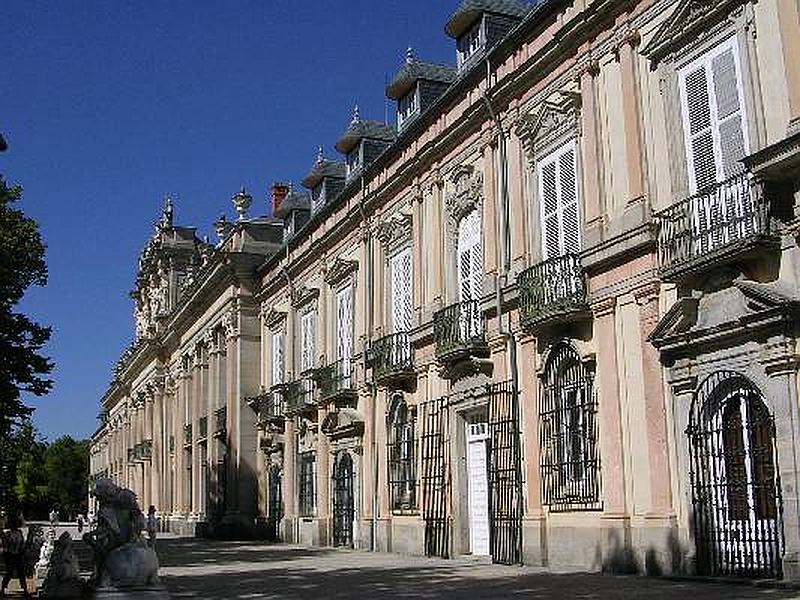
(736, 492)
(435, 477)
(275, 508)
(505, 476)
(343, 504)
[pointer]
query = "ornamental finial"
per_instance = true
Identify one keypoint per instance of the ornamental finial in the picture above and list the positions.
(320, 155)
(409, 55)
(356, 116)
(241, 202)
(166, 213)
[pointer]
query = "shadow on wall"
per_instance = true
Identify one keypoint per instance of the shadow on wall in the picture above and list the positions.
(621, 557)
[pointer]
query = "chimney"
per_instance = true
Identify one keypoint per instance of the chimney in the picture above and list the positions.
(279, 193)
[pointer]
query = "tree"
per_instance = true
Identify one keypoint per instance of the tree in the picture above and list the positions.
(22, 367)
(67, 467)
(31, 489)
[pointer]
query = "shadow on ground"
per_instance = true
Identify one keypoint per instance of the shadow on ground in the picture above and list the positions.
(206, 569)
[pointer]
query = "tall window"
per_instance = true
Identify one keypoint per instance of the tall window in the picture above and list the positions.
(400, 268)
(558, 200)
(402, 458)
(318, 195)
(222, 366)
(307, 341)
(470, 257)
(713, 116)
(407, 106)
(470, 43)
(277, 357)
(306, 489)
(570, 463)
(354, 160)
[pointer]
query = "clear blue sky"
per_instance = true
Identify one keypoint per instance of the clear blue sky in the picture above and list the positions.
(108, 105)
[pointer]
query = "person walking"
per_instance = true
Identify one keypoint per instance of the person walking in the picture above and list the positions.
(14, 555)
(152, 526)
(80, 523)
(53, 518)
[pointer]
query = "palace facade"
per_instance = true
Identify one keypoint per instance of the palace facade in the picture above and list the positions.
(549, 317)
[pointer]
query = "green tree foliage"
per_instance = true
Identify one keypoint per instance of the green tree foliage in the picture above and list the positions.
(22, 264)
(67, 468)
(31, 489)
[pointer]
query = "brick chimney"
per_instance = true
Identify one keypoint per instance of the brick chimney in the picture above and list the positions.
(279, 193)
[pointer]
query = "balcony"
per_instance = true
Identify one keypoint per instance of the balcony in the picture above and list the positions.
(337, 383)
(299, 394)
(392, 360)
(270, 408)
(722, 225)
(146, 450)
(187, 434)
(553, 291)
(202, 428)
(459, 334)
(220, 422)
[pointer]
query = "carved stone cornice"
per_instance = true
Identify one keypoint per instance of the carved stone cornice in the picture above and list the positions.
(340, 269)
(557, 117)
(273, 317)
(395, 231)
(627, 36)
(302, 295)
(466, 195)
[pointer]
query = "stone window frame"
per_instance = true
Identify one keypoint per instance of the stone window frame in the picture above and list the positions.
(395, 235)
(398, 399)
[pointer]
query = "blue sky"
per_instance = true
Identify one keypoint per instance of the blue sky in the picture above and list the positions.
(108, 105)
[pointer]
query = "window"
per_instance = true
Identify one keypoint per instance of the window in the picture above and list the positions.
(306, 488)
(307, 341)
(713, 117)
(400, 268)
(570, 465)
(558, 201)
(277, 357)
(222, 366)
(470, 257)
(402, 458)
(407, 106)
(470, 43)
(344, 332)
(318, 195)
(354, 160)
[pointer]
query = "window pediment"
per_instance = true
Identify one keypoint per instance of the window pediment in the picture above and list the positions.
(340, 269)
(302, 295)
(558, 117)
(466, 195)
(273, 317)
(395, 231)
(688, 19)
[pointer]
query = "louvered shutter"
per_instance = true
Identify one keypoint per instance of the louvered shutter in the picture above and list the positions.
(277, 357)
(344, 328)
(470, 257)
(559, 199)
(401, 291)
(713, 118)
(307, 341)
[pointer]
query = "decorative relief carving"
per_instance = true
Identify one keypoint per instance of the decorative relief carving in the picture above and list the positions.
(395, 231)
(273, 317)
(340, 269)
(558, 117)
(303, 295)
(466, 194)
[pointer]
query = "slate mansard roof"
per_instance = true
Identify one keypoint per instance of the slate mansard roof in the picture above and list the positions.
(322, 169)
(469, 11)
(293, 201)
(414, 71)
(358, 130)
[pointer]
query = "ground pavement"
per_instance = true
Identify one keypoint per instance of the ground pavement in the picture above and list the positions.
(235, 570)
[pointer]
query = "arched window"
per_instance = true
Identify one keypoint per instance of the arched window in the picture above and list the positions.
(401, 455)
(568, 421)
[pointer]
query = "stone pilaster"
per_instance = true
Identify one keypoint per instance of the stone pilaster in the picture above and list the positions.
(590, 165)
(631, 98)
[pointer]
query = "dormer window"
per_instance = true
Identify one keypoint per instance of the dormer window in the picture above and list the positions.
(318, 196)
(354, 160)
(470, 43)
(408, 106)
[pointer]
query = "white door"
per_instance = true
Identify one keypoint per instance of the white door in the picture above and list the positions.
(478, 485)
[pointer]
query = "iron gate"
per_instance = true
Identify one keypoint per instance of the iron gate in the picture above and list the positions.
(275, 507)
(435, 477)
(735, 480)
(343, 504)
(505, 476)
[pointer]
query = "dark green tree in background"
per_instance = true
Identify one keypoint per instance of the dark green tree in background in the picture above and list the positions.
(23, 369)
(67, 468)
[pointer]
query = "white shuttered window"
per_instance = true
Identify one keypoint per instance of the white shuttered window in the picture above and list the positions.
(400, 267)
(344, 324)
(307, 341)
(470, 257)
(559, 200)
(277, 357)
(713, 116)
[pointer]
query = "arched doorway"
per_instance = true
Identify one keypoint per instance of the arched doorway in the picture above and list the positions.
(735, 482)
(275, 507)
(343, 502)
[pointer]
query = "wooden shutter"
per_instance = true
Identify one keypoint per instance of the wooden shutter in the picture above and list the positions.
(307, 341)
(344, 327)
(470, 257)
(401, 291)
(713, 117)
(559, 199)
(277, 357)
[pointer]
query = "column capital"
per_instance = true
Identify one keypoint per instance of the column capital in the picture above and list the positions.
(587, 67)
(604, 307)
(629, 37)
(647, 294)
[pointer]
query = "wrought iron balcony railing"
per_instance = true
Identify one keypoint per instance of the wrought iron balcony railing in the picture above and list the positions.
(715, 224)
(187, 434)
(202, 428)
(458, 329)
(553, 290)
(392, 358)
(299, 394)
(273, 405)
(220, 421)
(336, 381)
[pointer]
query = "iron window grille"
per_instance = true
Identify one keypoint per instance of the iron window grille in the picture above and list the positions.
(738, 516)
(569, 451)
(307, 497)
(401, 452)
(343, 500)
(435, 479)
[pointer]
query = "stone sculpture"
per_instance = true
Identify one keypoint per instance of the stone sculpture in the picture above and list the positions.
(62, 579)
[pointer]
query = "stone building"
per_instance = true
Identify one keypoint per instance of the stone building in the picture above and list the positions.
(551, 317)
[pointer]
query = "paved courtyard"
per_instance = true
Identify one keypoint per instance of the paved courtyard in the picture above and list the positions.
(230, 570)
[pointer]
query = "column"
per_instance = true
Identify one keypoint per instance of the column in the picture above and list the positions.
(655, 411)
(147, 467)
(289, 482)
(518, 215)
(492, 238)
(323, 473)
(197, 401)
(232, 422)
(156, 465)
(592, 203)
(529, 416)
(418, 229)
(789, 25)
(438, 234)
(634, 157)
(609, 412)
